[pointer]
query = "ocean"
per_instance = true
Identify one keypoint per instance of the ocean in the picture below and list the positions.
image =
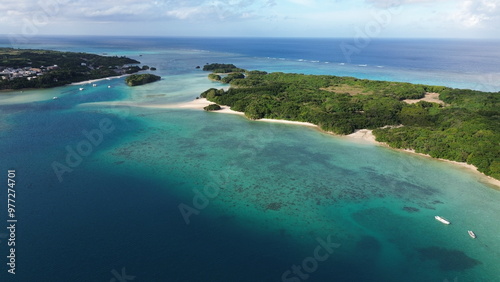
(186, 195)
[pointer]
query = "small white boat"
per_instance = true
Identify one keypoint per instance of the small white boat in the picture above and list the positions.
(472, 234)
(81, 89)
(54, 98)
(94, 85)
(109, 86)
(442, 220)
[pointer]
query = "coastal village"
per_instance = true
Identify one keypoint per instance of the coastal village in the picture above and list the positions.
(25, 68)
(27, 72)
(7, 73)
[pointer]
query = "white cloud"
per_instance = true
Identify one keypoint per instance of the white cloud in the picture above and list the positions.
(269, 17)
(478, 13)
(114, 10)
(303, 2)
(396, 3)
(184, 12)
(139, 9)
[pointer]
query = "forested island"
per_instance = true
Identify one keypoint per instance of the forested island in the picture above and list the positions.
(30, 68)
(462, 125)
(222, 68)
(141, 79)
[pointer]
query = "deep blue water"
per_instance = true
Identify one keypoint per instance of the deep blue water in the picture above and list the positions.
(456, 63)
(459, 55)
(283, 188)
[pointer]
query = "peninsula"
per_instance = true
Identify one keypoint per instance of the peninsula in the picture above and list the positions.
(30, 68)
(454, 124)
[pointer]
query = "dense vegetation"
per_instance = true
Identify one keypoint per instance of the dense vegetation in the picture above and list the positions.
(212, 107)
(467, 129)
(140, 79)
(214, 76)
(17, 58)
(71, 67)
(222, 68)
(235, 75)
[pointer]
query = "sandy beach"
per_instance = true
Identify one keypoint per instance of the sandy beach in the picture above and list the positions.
(97, 80)
(200, 103)
(364, 135)
(487, 179)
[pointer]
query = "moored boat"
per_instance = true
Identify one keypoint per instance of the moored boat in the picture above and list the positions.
(472, 234)
(442, 220)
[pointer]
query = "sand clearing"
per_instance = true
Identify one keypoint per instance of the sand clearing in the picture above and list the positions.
(429, 97)
(365, 135)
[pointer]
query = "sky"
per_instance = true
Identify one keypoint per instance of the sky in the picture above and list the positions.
(254, 18)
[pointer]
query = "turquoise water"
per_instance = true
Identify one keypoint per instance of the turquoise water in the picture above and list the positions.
(264, 195)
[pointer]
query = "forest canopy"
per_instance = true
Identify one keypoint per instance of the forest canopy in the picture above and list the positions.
(465, 128)
(140, 79)
(222, 68)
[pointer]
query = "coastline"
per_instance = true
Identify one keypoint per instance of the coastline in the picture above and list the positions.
(2, 91)
(200, 103)
(98, 79)
(484, 178)
(364, 135)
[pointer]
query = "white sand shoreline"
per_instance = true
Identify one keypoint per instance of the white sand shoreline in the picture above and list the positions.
(487, 179)
(363, 135)
(97, 80)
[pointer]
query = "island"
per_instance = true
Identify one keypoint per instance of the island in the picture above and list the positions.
(222, 68)
(454, 124)
(31, 68)
(141, 79)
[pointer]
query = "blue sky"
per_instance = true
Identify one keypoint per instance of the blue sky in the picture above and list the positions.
(275, 18)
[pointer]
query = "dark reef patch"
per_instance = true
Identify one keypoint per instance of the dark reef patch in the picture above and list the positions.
(274, 206)
(448, 259)
(411, 209)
